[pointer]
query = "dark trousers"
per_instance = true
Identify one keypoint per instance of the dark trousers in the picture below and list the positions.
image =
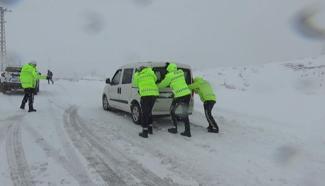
(185, 102)
(50, 80)
(29, 96)
(147, 103)
(208, 106)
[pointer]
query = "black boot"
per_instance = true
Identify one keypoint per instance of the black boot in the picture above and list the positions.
(32, 110)
(144, 134)
(187, 131)
(150, 130)
(172, 130)
(213, 130)
(22, 106)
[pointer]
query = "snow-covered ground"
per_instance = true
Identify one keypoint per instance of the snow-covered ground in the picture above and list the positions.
(272, 133)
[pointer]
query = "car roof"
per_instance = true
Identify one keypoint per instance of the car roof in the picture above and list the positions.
(153, 64)
(13, 69)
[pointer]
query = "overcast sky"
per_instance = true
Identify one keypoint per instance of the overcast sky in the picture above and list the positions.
(82, 36)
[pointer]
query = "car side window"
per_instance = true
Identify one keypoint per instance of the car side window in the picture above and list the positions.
(127, 76)
(116, 77)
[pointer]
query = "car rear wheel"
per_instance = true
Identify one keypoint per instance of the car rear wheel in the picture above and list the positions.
(136, 113)
(106, 105)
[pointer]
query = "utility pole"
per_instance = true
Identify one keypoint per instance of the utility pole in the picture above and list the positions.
(3, 50)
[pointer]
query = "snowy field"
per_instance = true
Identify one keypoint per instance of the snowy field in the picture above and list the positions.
(272, 133)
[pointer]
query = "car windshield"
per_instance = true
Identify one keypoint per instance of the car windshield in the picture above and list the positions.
(161, 72)
(13, 69)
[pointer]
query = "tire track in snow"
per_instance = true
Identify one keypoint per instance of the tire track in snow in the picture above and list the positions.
(73, 160)
(19, 169)
(173, 168)
(78, 173)
(98, 153)
(175, 160)
(6, 123)
(81, 141)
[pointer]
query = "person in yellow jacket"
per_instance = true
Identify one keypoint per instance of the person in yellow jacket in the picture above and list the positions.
(203, 88)
(175, 79)
(28, 79)
(145, 79)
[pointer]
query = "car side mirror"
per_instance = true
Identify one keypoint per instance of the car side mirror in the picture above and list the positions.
(108, 81)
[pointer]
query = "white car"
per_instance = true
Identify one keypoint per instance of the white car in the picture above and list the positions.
(10, 79)
(121, 95)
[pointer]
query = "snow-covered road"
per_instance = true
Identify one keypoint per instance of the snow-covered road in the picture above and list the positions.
(71, 140)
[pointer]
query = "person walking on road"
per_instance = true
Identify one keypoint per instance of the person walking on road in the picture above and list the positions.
(203, 88)
(145, 79)
(175, 79)
(28, 77)
(50, 77)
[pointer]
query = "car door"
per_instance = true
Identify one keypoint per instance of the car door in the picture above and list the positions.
(126, 88)
(114, 90)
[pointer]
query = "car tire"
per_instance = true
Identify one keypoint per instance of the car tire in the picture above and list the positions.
(105, 103)
(136, 113)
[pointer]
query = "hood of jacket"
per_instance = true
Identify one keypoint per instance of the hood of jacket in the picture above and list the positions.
(198, 79)
(146, 69)
(172, 67)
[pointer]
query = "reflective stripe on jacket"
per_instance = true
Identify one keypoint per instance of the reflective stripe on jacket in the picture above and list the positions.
(175, 79)
(145, 80)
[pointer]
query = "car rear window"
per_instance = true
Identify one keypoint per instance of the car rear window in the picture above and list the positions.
(13, 69)
(161, 72)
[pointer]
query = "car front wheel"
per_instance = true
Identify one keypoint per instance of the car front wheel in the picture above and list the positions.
(106, 105)
(136, 113)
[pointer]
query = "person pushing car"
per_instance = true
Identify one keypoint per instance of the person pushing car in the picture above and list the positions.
(207, 96)
(175, 79)
(145, 79)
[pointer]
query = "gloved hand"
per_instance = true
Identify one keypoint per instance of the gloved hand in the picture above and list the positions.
(166, 65)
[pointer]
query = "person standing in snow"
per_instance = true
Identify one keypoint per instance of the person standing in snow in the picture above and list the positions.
(50, 77)
(207, 96)
(28, 78)
(175, 79)
(145, 79)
